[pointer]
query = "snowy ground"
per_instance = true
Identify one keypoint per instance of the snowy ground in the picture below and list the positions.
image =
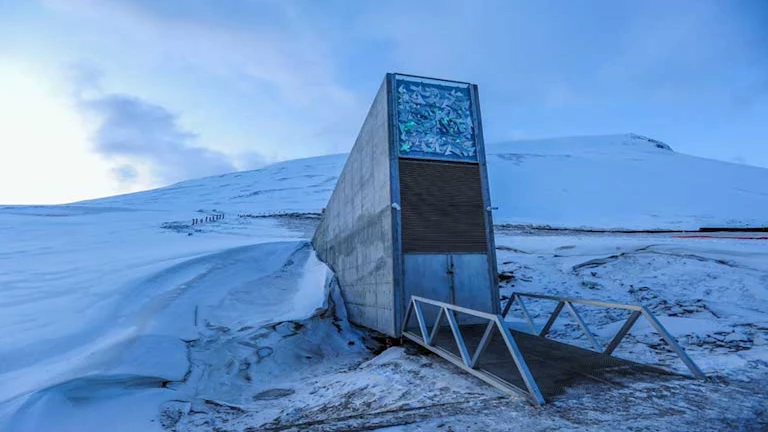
(99, 304)
(710, 293)
(125, 325)
(119, 314)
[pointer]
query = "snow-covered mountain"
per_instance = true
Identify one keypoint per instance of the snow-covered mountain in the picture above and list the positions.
(117, 314)
(622, 181)
(601, 182)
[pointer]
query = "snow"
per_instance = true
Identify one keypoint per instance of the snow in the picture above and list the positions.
(105, 295)
(308, 298)
(710, 294)
(118, 314)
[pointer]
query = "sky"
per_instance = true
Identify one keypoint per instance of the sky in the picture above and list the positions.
(99, 97)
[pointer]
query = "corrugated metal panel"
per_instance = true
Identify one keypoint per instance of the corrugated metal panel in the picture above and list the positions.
(442, 207)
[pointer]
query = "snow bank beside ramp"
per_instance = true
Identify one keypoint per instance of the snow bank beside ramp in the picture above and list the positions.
(216, 329)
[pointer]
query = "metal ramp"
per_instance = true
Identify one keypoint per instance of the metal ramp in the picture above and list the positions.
(527, 363)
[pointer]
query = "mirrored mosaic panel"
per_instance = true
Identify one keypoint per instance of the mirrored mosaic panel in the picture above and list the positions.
(434, 119)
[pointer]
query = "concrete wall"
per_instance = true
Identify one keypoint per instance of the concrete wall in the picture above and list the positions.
(355, 233)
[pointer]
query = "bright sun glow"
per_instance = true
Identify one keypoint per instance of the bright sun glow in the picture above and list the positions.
(45, 155)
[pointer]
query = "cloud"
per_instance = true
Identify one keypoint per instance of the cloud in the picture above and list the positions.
(145, 140)
(269, 52)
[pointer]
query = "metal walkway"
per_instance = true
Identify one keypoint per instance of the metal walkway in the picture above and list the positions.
(484, 345)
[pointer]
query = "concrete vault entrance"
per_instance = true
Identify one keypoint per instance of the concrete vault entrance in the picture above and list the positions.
(411, 212)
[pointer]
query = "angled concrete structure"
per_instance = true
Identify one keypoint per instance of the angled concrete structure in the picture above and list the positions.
(411, 212)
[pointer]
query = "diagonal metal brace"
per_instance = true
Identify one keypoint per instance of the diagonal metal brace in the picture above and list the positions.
(522, 366)
(583, 326)
(622, 332)
(552, 318)
(422, 322)
(484, 342)
(526, 314)
(460, 344)
(673, 343)
(436, 327)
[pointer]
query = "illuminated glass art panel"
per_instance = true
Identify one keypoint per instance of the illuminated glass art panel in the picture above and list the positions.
(434, 119)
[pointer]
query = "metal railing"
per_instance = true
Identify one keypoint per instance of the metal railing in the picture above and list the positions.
(467, 360)
(637, 311)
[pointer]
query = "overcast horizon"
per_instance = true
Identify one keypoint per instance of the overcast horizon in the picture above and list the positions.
(105, 97)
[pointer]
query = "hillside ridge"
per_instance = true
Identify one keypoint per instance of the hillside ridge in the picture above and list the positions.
(624, 181)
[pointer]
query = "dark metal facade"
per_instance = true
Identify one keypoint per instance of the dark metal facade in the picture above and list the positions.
(442, 207)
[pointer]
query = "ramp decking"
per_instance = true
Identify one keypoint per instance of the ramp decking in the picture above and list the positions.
(484, 345)
(555, 366)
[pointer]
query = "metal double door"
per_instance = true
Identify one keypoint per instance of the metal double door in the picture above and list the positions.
(462, 279)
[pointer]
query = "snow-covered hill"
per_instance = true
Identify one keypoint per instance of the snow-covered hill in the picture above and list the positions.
(599, 182)
(295, 186)
(622, 181)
